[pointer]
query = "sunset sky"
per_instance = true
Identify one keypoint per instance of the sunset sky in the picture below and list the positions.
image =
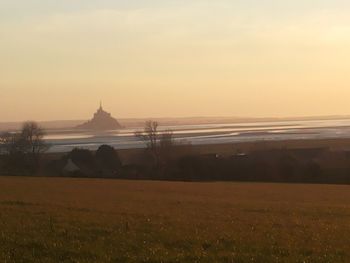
(174, 58)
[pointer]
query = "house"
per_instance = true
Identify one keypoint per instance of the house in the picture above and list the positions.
(70, 167)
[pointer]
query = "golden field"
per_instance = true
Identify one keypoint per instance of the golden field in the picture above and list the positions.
(88, 220)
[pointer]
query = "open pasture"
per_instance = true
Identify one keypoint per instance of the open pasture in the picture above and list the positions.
(86, 220)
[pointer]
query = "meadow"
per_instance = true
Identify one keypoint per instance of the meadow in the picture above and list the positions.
(92, 220)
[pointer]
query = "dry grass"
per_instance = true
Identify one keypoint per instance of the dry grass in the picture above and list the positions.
(78, 220)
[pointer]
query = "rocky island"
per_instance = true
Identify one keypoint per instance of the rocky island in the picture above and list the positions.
(101, 120)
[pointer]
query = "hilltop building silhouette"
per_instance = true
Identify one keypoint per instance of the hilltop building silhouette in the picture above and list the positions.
(101, 120)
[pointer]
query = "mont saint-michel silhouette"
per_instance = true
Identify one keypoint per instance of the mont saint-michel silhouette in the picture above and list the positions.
(101, 121)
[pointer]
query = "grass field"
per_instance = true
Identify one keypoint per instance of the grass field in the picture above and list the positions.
(81, 220)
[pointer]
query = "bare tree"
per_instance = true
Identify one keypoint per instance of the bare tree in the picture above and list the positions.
(4, 141)
(166, 139)
(32, 140)
(166, 146)
(9, 143)
(159, 143)
(150, 135)
(24, 147)
(33, 137)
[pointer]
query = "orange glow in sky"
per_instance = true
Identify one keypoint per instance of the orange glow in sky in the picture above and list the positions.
(174, 58)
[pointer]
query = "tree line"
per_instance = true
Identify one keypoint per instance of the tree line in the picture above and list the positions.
(166, 158)
(22, 150)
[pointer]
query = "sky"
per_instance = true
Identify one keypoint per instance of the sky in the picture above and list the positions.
(174, 58)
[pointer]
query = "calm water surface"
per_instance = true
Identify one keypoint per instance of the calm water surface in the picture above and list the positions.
(207, 134)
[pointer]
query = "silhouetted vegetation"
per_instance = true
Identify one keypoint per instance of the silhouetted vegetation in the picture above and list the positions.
(22, 151)
(107, 158)
(159, 146)
(82, 157)
(105, 162)
(150, 135)
(165, 159)
(316, 165)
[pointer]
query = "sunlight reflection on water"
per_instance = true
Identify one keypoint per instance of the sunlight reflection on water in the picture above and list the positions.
(207, 134)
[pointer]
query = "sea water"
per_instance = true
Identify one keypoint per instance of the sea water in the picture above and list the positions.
(206, 134)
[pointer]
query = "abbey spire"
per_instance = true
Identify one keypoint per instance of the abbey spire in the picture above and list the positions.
(101, 120)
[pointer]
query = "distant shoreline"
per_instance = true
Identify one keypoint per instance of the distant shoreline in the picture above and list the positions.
(138, 122)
